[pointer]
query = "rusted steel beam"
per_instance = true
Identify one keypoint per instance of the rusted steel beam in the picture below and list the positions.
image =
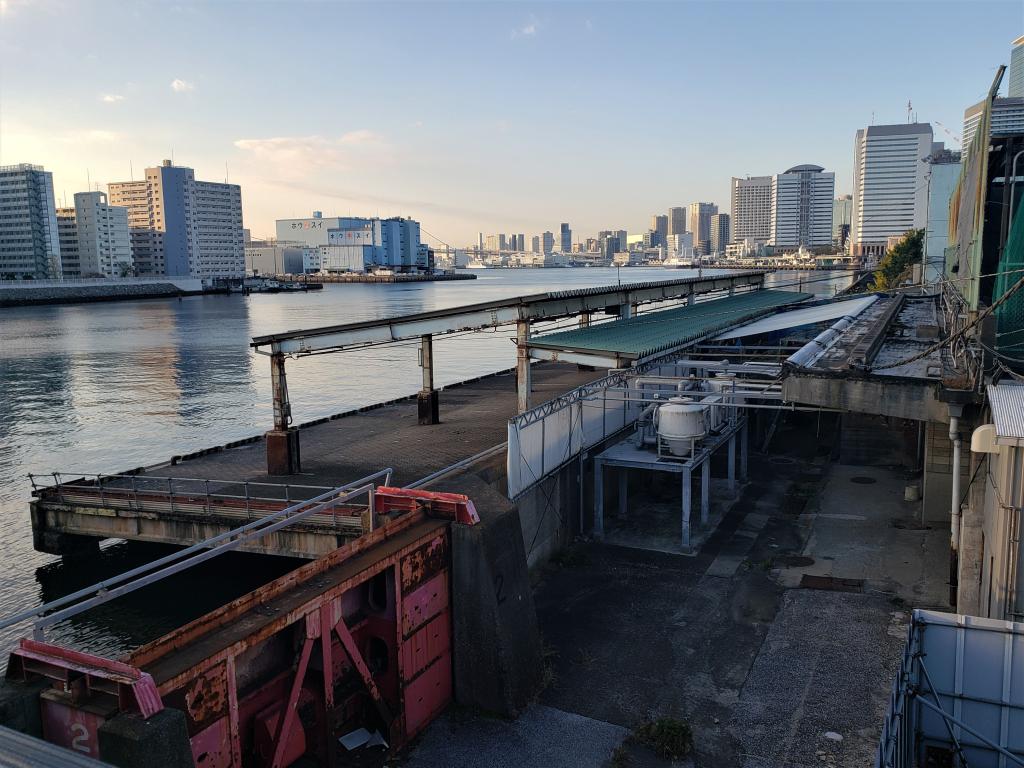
(288, 714)
(349, 643)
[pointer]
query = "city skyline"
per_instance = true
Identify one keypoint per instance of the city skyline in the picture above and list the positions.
(426, 129)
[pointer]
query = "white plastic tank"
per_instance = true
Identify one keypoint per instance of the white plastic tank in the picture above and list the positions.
(723, 382)
(680, 422)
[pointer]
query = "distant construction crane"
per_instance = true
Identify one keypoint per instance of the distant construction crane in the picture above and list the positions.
(949, 133)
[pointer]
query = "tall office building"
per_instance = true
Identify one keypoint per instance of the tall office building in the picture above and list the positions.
(67, 234)
(700, 225)
(659, 230)
(547, 243)
(751, 209)
(29, 239)
(842, 212)
(890, 185)
(94, 238)
(535, 244)
(182, 227)
(677, 220)
(564, 238)
(943, 175)
(1007, 119)
(720, 233)
(1016, 75)
(802, 207)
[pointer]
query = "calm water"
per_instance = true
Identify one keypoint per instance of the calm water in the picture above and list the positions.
(103, 387)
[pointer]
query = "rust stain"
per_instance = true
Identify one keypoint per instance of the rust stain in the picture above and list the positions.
(424, 562)
(206, 697)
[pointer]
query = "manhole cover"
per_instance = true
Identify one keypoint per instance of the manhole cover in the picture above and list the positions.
(794, 561)
(861, 480)
(831, 583)
(781, 460)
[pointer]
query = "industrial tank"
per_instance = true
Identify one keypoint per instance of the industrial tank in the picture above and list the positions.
(680, 424)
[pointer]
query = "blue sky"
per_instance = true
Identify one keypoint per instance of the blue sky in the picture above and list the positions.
(480, 116)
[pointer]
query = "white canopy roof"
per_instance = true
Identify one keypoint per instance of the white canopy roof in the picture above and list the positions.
(797, 317)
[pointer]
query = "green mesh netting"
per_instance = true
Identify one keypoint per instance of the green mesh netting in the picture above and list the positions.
(1010, 314)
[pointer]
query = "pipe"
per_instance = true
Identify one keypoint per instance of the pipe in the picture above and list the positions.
(1013, 186)
(954, 519)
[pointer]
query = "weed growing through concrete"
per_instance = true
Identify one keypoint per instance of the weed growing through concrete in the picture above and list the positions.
(620, 757)
(669, 737)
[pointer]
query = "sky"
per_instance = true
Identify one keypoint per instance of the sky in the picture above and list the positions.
(480, 116)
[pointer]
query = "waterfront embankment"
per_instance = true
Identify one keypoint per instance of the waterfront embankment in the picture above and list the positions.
(22, 293)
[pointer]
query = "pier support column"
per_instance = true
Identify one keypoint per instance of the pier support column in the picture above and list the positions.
(598, 499)
(623, 474)
(283, 439)
(732, 464)
(685, 527)
(584, 320)
(705, 491)
(427, 400)
(625, 311)
(744, 450)
(523, 365)
(689, 298)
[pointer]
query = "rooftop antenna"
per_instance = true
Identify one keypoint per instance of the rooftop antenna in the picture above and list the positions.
(131, 170)
(88, 181)
(909, 108)
(872, 117)
(227, 175)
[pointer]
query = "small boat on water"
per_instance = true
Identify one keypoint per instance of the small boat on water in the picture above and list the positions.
(273, 285)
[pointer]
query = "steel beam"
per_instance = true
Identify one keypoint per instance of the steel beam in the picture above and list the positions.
(523, 365)
(546, 306)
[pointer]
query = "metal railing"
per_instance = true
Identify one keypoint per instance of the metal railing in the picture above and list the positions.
(177, 495)
(136, 578)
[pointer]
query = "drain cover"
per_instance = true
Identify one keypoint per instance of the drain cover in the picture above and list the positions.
(781, 460)
(794, 561)
(831, 583)
(861, 480)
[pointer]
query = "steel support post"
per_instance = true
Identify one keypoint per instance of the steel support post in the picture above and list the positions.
(584, 320)
(598, 499)
(427, 399)
(687, 487)
(283, 439)
(623, 474)
(523, 364)
(705, 491)
(689, 298)
(625, 311)
(732, 464)
(744, 450)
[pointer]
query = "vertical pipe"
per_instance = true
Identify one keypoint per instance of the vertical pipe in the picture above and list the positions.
(1015, 458)
(623, 490)
(732, 464)
(745, 449)
(954, 520)
(598, 499)
(523, 364)
(705, 491)
(686, 509)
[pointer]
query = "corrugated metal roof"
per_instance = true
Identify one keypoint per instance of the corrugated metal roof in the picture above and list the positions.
(794, 318)
(19, 750)
(1007, 402)
(655, 331)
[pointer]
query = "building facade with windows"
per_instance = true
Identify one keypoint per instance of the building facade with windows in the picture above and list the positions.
(94, 238)
(183, 227)
(564, 238)
(29, 236)
(842, 212)
(345, 242)
(720, 233)
(890, 185)
(751, 204)
(700, 225)
(802, 200)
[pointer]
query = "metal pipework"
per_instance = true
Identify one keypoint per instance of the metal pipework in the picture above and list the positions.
(954, 519)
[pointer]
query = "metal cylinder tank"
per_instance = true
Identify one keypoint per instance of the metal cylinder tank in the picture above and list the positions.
(680, 424)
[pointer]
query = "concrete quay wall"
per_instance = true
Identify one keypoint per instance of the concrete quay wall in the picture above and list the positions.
(33, 292)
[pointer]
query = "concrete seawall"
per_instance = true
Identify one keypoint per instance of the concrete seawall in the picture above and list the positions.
(31, 292)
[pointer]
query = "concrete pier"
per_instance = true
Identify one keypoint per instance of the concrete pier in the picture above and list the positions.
(335, 450)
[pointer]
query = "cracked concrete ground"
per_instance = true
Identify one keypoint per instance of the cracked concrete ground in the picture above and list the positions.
(767, 672)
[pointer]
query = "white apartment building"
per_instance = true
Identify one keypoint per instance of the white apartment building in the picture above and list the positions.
(1007, 118)
(67, 233)
(182, 227)
(802, 207)
(720, 226)
(890, 185)
(29, 241)
(95, 237)
(751, 209)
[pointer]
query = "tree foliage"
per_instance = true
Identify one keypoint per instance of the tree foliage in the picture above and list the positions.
(899, 260)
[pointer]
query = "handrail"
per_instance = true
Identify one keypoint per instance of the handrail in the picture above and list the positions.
(214, 546)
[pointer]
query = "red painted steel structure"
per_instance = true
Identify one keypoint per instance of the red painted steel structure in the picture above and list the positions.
(358, 638)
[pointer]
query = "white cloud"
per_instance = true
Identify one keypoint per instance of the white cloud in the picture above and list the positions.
(529, 29)
(298, 155)
(111, 98)
(181, 86)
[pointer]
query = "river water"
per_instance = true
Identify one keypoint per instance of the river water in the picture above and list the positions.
(103, 387)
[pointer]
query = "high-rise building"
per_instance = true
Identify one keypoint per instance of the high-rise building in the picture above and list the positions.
(659, 230)
(802, 207)
(535, 244)
(29, 239)
(751, 200)
(180, 226)
(1007, 118)
(564, 238)
(547, 243)
(1016, 74)
(943, 175)
(67, 234)
(520, 243)
(890, 187)
(719, 233)
(676, 220)
(700, 225)
(94, 238)
(842, 212)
